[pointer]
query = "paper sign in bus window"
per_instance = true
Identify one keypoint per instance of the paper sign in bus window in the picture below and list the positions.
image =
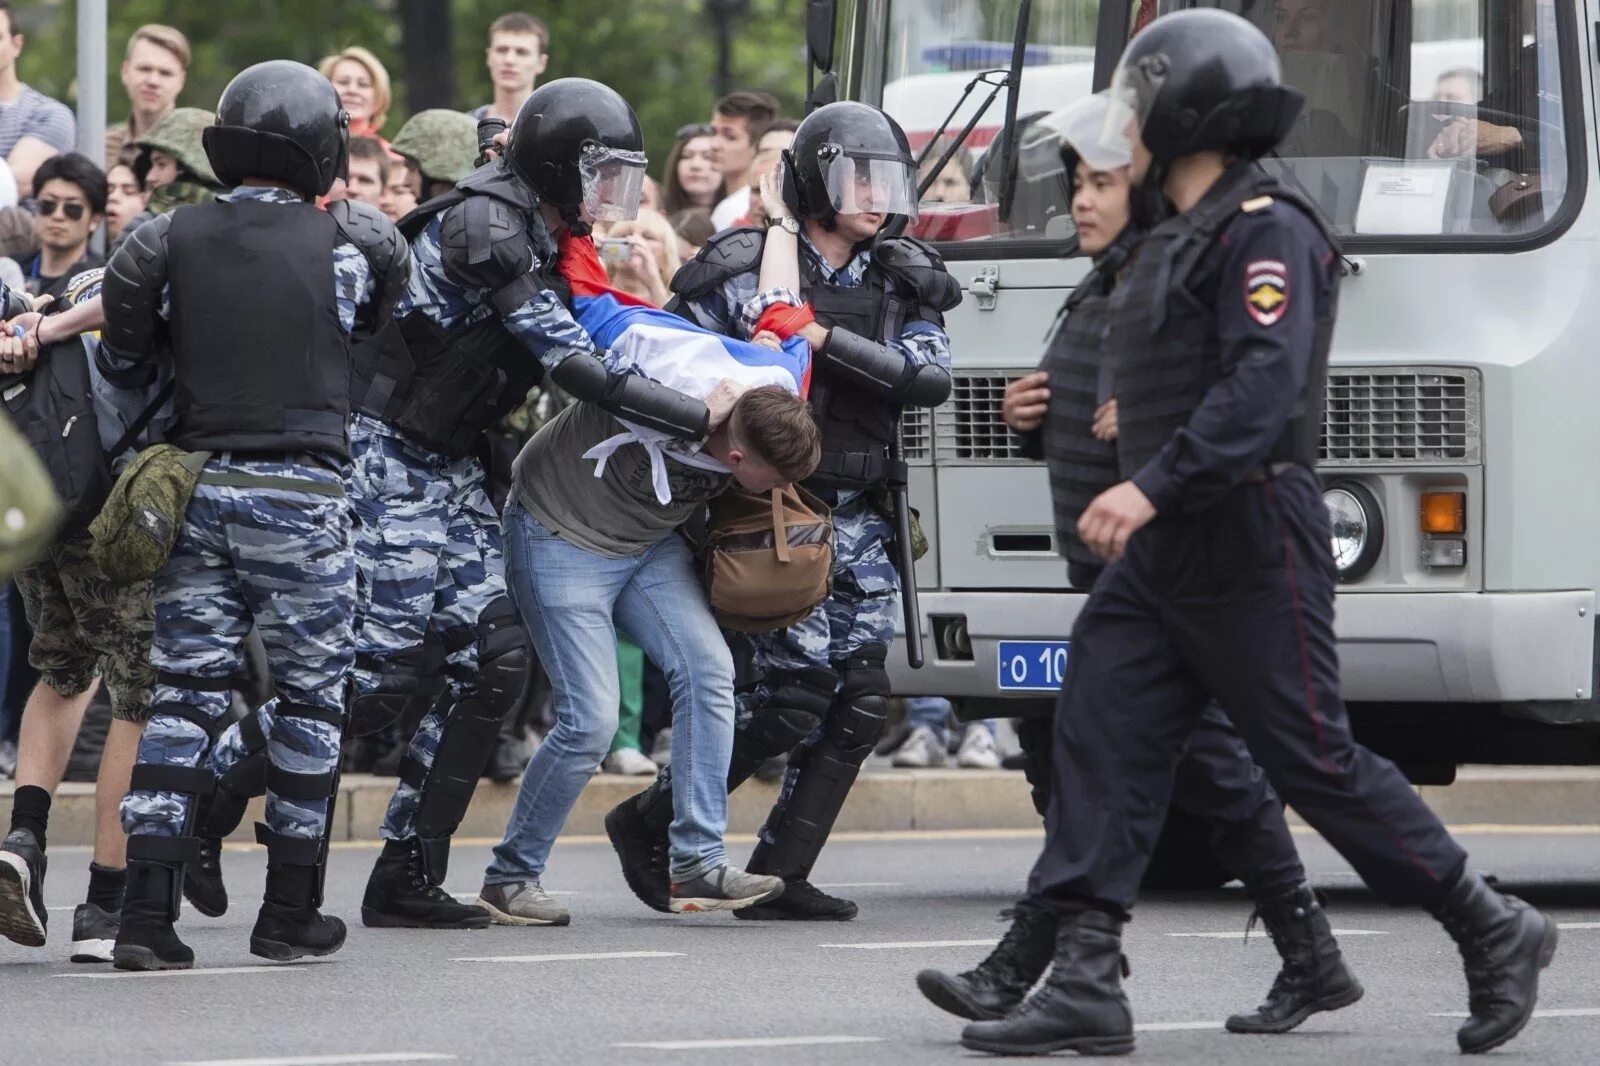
(1404, 198)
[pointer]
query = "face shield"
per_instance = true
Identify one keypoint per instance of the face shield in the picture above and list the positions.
(1134, 89)
(612, 181)
(859, 185)
(1079, 128)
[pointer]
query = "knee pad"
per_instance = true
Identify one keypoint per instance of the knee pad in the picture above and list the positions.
(504, 657)
(399, 678)
(861, 710)
(287, 784)
(798, 701)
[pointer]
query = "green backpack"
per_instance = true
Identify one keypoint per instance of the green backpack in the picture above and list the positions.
(136, 529)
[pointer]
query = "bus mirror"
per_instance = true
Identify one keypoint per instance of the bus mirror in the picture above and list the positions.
(826, 92)
(819, 33)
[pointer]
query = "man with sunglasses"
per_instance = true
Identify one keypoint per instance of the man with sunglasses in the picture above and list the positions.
(70, 199)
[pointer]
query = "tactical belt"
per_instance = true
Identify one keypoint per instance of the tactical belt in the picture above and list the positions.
(859, 467)
(233, 480)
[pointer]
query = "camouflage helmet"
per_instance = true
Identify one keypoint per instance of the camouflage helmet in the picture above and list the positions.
(178, 135)
(443, 144)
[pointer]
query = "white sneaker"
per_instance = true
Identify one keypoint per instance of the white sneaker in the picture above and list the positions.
(922, 749)
(977, 750)
(630, 761)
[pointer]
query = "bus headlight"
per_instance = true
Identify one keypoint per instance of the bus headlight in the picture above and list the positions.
(1357, 528)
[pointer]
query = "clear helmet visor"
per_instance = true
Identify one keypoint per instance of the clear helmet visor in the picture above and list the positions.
(613, 182)
(1134, 89)
(858, 185)
(1079, 128)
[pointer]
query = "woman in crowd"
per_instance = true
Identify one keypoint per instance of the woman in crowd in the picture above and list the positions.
(694, 228)
(363, 87)
(691, 180)
(653, 259)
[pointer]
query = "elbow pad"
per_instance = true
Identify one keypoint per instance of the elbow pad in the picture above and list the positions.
(637, 399)
(131, 290)
(880, 369)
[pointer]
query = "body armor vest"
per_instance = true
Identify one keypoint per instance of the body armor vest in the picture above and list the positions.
(261, 362)
(1080, 466)
(857, 426)
(1165, 339)
(444, 388)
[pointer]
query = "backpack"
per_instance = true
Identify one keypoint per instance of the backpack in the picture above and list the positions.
(768, 559)
(53, 407)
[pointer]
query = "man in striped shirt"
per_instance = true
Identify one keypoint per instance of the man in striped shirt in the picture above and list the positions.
(33, 127)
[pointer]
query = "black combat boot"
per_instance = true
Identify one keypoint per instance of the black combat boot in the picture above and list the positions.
(401, 895)
(1080, 1007)
(638, 830)
(217, 814)
(993, 988)
(1504, 944)
(147, 940)
(289, 926)
(801, 901)
(1313, 978)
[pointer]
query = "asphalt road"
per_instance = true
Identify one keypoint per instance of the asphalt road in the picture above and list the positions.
(626, 985)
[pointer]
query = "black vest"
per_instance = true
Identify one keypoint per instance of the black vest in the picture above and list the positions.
(1165, 339)
(1080, 466)
(444, 388)
(857, 426)
(261, 363)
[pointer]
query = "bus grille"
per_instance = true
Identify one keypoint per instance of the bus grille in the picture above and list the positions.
(1388, 415)
(916, 435)
(1400, 415)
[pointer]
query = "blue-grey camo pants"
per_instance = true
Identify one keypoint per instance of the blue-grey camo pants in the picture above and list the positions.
(861, 610)
(282, 560)
(430, 558)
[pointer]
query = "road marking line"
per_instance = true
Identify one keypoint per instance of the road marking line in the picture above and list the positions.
(1175, 1027)
(1239, 934)
(887, 945)
(1561, 1012)
(748, 1042)
(200, 972)
(862, 884)
(325, 1060)
(578, 957)
(1578, 925)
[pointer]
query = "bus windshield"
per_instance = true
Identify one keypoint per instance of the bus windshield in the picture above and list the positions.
(1423, 118)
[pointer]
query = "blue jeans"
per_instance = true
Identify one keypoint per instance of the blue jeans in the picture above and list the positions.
(573, 602)
(934, 712)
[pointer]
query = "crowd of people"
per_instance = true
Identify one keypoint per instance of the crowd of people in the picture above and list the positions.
(335, 509)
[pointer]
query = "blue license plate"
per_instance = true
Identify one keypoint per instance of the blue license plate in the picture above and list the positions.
(1032, 665)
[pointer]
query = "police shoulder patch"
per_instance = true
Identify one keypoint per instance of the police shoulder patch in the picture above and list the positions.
(1266, 290)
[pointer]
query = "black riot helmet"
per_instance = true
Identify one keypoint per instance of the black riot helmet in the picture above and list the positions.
(281, 121)
(577, 144)
(1202, 79)
(849, 158)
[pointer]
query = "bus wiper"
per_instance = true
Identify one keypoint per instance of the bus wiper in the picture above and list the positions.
(966, 131)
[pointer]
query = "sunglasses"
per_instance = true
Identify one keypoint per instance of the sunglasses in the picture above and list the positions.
(693, 129)
(72, 211)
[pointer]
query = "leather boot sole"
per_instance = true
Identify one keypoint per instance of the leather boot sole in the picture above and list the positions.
(950, 995)
(1083, 1045)
(137, 957)
(278, 951)
(376, 919)
(1547, 951)
(1242, 1023)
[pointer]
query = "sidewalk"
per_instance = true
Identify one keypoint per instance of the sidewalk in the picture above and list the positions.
(899, 800)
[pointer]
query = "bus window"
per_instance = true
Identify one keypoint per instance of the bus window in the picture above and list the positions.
(1432, 118)
(934, 49)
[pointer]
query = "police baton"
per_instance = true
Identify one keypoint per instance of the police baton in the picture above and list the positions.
(904, 561)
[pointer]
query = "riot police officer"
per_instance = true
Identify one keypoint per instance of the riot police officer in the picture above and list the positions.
(1064, 414)
(484, 319)
(1220, 583)
(256, 294)
(878, 345)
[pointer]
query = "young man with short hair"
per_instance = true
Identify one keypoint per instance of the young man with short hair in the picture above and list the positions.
(33, 127)
(734, 121)
(366, 174)
(518, 52)
(153, 74)
(70, 198)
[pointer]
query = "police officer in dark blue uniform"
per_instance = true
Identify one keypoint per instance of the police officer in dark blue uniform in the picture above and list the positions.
(1221, 582)
(1061, 415)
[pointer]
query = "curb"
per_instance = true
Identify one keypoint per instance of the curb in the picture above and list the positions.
(891, 800)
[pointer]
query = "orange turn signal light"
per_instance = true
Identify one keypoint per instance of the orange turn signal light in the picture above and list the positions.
(1444, 512)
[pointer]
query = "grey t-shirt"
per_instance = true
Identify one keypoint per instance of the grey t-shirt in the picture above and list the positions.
(616, 514)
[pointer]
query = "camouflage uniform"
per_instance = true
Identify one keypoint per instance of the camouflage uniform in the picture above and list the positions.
(177, 134)
(280, 558)
(866, 587)
(442, 143)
